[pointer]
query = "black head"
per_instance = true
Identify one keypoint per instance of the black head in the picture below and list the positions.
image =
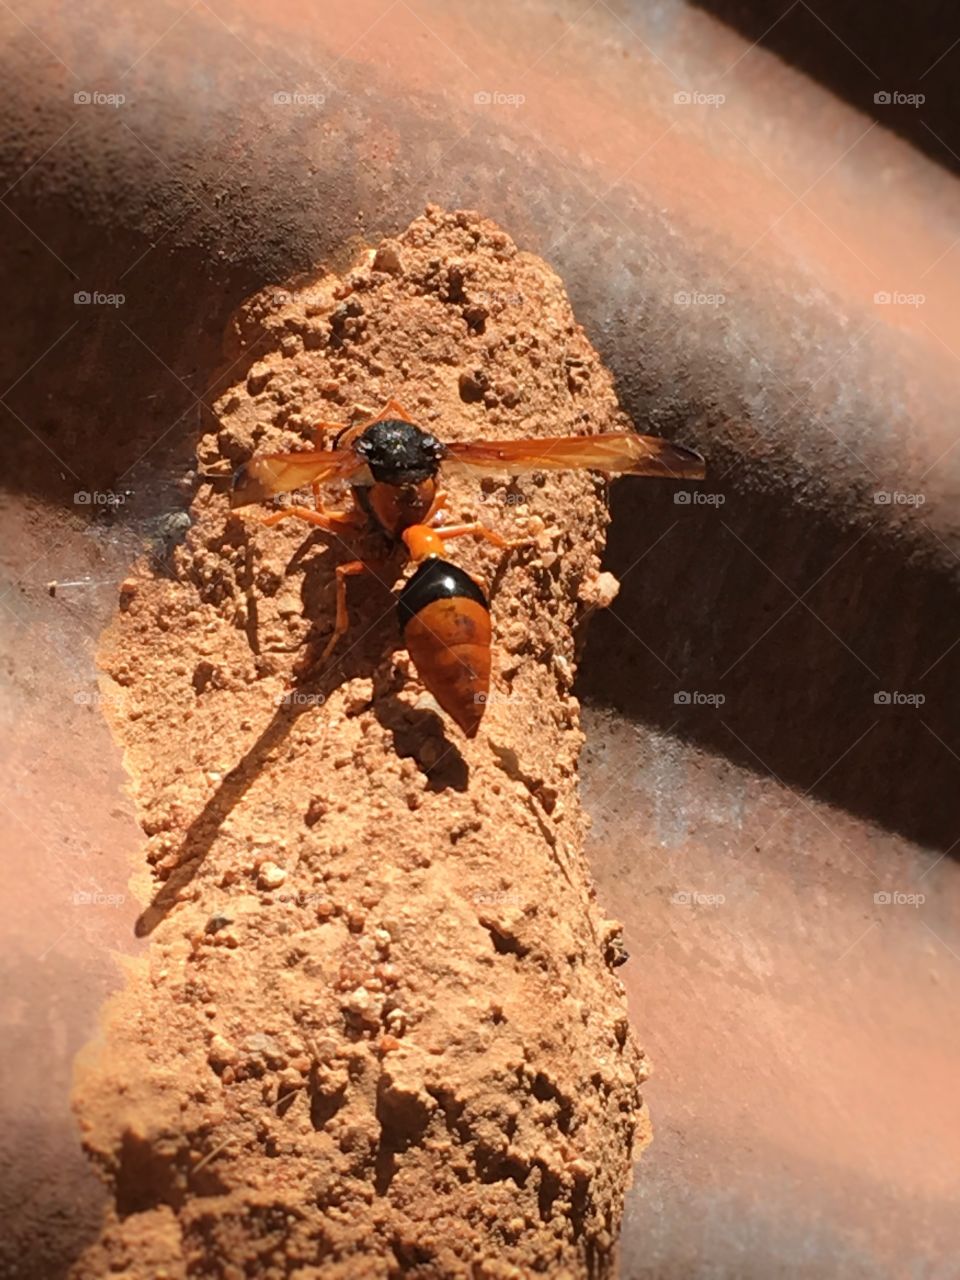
(400, 453)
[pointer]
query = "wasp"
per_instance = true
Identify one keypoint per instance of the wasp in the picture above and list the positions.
(394, 467)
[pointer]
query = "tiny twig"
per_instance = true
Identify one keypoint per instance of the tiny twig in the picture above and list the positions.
(211, 1155)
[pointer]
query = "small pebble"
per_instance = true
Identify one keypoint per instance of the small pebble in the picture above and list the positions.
(397, 1019)
(258, 377)
(221, 1052)
(387, 258)
(359, 1003)
(607, 590)
(271, 876)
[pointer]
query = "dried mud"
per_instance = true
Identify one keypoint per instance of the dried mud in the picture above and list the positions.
(378, 1029)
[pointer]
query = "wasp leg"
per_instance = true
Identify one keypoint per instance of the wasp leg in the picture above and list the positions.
(477, 530)
(331, 521)
(354, 516)
(434, 516)
(342, 620)
(392, 409)
(321, 430)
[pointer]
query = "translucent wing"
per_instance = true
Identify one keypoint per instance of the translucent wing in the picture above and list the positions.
(616, 452)
(271, 473)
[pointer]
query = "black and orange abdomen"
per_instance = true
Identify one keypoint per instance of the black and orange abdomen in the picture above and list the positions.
(446, 628)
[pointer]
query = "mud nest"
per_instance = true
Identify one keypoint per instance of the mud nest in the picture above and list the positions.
(377, 1029)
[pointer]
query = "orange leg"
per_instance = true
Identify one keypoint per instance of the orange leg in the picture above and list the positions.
(477, 530)
(435, 515)
(331, 521)
(434, 518)
(392, 409)
(342, 620)
(354, 516)
(322, 430)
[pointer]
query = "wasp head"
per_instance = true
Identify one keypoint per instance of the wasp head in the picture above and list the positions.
(399, 453)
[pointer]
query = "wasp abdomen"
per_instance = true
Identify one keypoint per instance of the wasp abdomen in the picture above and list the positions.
(446, 627)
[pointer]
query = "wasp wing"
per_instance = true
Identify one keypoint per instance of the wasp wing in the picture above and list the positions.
(615, 452)
(268, 474)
